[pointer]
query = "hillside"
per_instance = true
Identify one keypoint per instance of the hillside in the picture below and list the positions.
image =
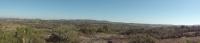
(90, 31)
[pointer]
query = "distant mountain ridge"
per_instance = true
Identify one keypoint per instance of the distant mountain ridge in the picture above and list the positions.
(81, 21)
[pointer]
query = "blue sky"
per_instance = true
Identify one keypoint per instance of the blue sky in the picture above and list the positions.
(184, 12)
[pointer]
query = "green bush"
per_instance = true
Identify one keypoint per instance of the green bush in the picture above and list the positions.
(29, 35)
(7, 37)
(22, 35)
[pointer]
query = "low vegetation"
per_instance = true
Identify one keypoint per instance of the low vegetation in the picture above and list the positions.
(142, 38)
(89, 31)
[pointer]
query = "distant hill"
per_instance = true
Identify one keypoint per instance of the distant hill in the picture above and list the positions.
(86, 21)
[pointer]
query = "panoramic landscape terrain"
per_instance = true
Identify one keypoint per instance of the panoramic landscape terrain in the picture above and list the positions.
(99, 21)
(15, 30)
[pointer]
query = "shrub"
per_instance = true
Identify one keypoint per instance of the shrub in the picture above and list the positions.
(7, 37)
(190, 41)
(104, 29)
(88, 30)
(62, 35)
(141, 38)
(29, 35)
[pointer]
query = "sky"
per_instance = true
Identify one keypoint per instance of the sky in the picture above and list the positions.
(177, 12)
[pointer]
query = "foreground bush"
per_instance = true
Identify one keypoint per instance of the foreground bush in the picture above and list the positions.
(64, 35)
(7, 37)
(29, 35)
(21, 35)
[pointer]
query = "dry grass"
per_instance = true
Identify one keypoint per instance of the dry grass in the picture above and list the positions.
(181, 40)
